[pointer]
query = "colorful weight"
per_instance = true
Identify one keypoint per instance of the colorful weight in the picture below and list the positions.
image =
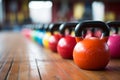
(40, 32)
(67, 42)
(114, 40)
(91, 53)
(26, 33)
(47, 35)
(55, 37)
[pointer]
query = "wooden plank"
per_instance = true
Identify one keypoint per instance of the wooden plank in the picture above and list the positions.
(5, 53)
(29, 55)
(20, 69)
(13, 73)
(50, 71)
(4, 50)
(34, 72)
(11, 70)
(2, 59)
(24, 71)
(14, 55)
(5, 69)
(7, 62)
(28, 69)
(55, 61)
(74, 73)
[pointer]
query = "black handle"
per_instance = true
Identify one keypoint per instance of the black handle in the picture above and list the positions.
(115, 25)
(54, 27)
(70, 26)
(38, 26)
(91, 24)
(46, 27)
(35, 26)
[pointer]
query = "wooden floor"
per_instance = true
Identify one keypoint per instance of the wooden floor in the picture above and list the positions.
(22, 59)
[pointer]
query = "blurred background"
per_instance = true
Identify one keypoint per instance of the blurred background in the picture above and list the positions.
(15, 13)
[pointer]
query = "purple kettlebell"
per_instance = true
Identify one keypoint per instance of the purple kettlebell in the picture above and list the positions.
(114, 39)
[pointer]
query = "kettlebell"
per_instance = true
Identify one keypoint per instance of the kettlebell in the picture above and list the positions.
(67, 42)
(55, 37)
(34, 31)
(47, 35)
(26, 32)
(114, 40)
(39, 32)
(91, 53)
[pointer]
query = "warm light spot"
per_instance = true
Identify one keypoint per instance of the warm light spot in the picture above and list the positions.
(40, 11)
(78, 10)
(98, 10)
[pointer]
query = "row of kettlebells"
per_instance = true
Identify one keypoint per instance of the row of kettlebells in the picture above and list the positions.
(87, 42)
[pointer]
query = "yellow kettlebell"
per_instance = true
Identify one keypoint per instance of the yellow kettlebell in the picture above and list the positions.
(47, 35)
(45, 39)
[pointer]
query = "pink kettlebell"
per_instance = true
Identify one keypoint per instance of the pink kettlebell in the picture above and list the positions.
(114, 39)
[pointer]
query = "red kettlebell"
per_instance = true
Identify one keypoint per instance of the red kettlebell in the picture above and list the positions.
(55, 37)
(91, 53)
(67, 42)
(114, 40)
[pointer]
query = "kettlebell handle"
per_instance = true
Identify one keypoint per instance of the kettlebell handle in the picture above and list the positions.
(54, 27)
(70, 26)
(40, 27)
(46, 27)
(115, 25)
(91, 24)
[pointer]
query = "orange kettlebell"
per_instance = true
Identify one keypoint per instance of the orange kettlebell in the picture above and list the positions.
(92, 52)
